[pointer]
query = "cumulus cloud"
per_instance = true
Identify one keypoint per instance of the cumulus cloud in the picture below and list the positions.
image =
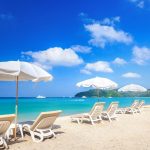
(131, 75)
(56, 56)
(81, 48)
(141, 55)
(119, 61)
(102, 34)
(99, 66)
(138, 3)
(45, 66)
(110, 21)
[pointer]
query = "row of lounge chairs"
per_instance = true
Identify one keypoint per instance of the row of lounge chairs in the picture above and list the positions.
(42, 127)
(97, 113)
(136, 107)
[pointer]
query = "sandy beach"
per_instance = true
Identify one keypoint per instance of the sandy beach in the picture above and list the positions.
(130, 132)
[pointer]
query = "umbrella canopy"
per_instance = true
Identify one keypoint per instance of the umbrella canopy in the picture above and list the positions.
(22, 71)
(98, 83)
(132, 88)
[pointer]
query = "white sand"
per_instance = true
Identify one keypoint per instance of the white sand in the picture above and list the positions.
(130, 132)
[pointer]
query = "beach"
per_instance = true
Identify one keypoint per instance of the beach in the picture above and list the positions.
(74, 75)
(129, 132)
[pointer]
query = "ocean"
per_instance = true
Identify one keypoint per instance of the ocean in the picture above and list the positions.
(30, 108)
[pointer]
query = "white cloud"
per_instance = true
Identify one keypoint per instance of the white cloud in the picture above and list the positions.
(119, 61)
(110, 21)
(131, 75)
(56, 56)
(81, 48)
(99, 66)
(138, 3)
(141, 55)
(133, 1)
(84, 71)
(104, 34)
(45, 66)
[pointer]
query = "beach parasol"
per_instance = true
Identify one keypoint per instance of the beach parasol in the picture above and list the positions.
(22, 71)
(132, 88)
(98, 83)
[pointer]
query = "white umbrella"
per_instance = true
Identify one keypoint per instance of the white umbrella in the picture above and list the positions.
(10, 70)
(22, 71)
(132, 88)
(98, 83)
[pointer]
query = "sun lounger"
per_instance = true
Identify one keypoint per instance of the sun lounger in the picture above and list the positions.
(110, 113)
(138, 108)
(93, 116)
(132, 109)
(5, 122)
(42, 126)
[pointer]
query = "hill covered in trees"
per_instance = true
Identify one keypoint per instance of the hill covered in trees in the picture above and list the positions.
(111, 93)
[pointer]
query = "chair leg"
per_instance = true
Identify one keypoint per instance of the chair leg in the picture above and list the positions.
(132, 111)
(36, 134)
(138, 110)
(53, 133)
(8, 133)
(109, 118)
(21, 131)
(78, 121)
(101, 120)
(92, 122)
(3, 142)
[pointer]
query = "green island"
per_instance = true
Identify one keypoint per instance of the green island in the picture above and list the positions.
(111, 93)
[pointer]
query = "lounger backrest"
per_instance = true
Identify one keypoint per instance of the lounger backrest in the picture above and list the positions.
(45, 120)
(141, 104)
(5, 122)
(112, 108)
(97, 110)
(135, 104)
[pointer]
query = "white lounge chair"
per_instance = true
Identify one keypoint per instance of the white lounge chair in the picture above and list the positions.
(93, 116)
(42, 126)
(132, 108)
(5, 122)
(110, 113)
(138, 108)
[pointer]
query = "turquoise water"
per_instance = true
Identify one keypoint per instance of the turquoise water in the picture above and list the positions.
(29, 108)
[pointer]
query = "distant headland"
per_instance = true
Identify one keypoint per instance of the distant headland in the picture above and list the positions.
(111, 93)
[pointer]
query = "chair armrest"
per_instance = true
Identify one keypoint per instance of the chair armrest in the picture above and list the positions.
(26, 127)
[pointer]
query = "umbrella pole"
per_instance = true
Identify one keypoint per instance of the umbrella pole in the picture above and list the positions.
(98, 94)
(16, 120)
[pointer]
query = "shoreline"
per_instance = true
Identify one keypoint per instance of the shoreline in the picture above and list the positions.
(69, 115)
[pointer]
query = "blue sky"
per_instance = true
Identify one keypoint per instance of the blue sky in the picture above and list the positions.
(76, 40)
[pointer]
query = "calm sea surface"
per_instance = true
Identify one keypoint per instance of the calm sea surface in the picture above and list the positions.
(29, 108)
